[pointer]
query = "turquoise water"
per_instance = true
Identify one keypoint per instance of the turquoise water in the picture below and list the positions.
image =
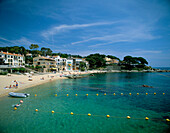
(156, 107)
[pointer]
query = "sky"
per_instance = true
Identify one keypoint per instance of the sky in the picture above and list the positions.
(139, 28)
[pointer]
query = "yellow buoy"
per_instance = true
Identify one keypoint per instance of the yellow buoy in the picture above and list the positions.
(105, 94)
(121, 93)
(167, 120)
(87, 94)
(67, 94)
(146, 93)
(114, 94)
(35, 95)
(52, 111)
(108, 116)
(137, 93)
(97, 94)
(15, 108)
(146, 118)
(163, 93)
(36, 110)
(154, 93)
(55, 94)
(76, 94)
(89, 114)
(128, 117)
(71, 113)
(130, 94)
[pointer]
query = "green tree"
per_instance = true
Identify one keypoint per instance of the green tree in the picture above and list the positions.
(76, 56)
(64, 55)
(96, 60)
(82, 66)
(142, 60)
(134, 62)
(113, 57)
(46, 51)
(34, 52)
(34, 46)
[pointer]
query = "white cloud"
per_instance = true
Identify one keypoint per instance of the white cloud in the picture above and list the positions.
(4, 40)
(22, 41)
(115, 41)
(125, 33)
(62, 28)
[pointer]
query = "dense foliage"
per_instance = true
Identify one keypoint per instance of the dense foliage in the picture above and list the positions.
(130, 62)
(14, 49)
(95, 60)
(82, 66)
(46, 51)
(113, 57)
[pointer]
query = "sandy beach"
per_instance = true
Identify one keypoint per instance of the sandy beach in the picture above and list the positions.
(37, 79)
(23, 81)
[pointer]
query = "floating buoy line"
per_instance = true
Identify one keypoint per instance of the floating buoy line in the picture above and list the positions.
(105, 94)
(107, 116)
(93, 115)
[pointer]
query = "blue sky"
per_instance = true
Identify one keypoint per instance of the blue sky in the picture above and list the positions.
(116, 27)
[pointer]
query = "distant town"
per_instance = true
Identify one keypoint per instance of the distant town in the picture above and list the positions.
(19, 59)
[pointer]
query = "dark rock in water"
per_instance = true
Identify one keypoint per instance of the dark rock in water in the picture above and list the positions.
(147, 86)
(91, 74)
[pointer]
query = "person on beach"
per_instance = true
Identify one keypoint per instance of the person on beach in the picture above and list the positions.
(16, 84)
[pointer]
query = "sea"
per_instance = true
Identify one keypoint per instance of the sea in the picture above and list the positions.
(99, 95)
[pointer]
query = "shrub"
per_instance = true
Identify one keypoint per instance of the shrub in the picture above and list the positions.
(3, 73)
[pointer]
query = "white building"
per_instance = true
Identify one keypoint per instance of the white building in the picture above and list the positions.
(69, 64)
(60, 63)
(11, 59)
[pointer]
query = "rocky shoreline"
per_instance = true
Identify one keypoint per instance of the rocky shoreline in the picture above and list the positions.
(146, 71)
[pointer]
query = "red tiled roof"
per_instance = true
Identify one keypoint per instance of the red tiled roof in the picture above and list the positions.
(55, 56)
(12, 54)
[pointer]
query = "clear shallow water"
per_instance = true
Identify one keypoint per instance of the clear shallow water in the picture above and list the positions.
(25, 119)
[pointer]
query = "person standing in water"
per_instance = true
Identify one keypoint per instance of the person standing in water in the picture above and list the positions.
(16, 84)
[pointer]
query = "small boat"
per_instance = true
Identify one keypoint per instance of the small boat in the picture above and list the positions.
(23, 95)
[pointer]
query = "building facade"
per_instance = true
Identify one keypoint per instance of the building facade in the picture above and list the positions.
(111, 61)
(11, 59)
(69, 64)
(46, 63)
(60, 63)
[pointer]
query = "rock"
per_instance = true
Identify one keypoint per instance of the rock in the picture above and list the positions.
(147, 86)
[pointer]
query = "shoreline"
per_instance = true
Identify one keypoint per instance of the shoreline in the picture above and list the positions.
(24, 83)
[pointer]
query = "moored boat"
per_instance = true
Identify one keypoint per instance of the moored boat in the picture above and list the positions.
(23, 95)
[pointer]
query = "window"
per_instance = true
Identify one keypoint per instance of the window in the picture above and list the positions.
(8, 56)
